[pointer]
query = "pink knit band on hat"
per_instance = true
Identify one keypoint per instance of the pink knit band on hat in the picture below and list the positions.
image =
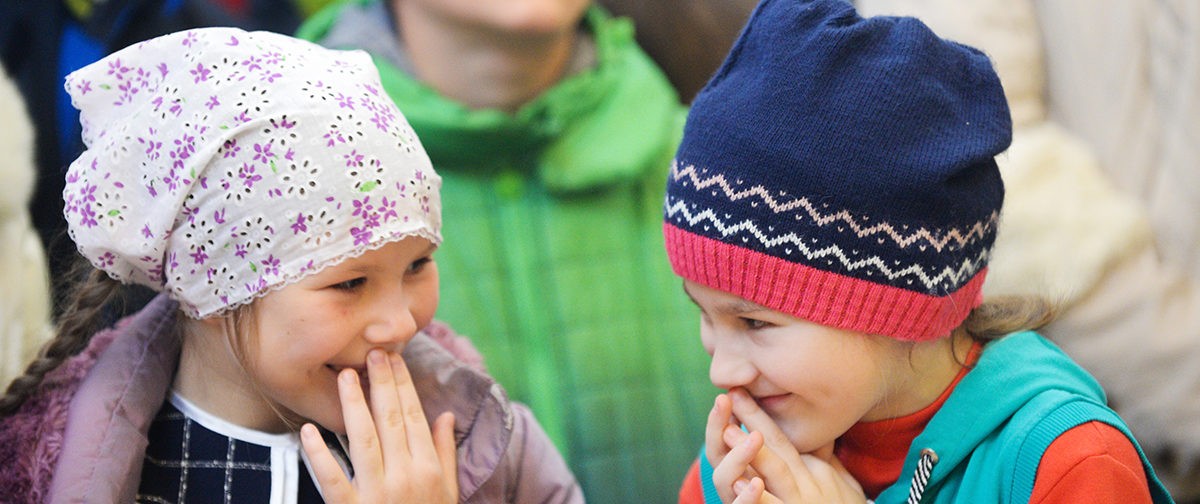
(817, 295)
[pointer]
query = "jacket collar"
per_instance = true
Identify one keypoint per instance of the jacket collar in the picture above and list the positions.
(110, 414)
(610, 123)
(1010, 373)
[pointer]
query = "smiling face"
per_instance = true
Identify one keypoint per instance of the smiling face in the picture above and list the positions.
(328, 321)
(814, 381)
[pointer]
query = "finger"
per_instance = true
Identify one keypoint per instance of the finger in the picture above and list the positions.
(333, 482)
(416, 427)
(851, 483)
(824, 479)
(734, 466)
(443, 441)
(748, 492)
(755, 419)
(733, 436)
(831, 481)
(820, 464)
(718, 419)
(365, 453)
(768, 497)
(825, 453)
(386, 407)
(768, 466)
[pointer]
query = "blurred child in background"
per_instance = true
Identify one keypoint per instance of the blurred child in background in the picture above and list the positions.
(552, 129)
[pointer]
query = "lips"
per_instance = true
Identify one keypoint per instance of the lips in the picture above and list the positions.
(770, 402)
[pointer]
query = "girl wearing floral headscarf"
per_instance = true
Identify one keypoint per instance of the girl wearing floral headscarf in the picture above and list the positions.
(288, 215)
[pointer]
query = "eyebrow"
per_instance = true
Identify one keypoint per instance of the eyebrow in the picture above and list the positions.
(737, 307)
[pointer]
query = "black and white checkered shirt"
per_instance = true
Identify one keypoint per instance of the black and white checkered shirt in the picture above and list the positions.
(195, 457)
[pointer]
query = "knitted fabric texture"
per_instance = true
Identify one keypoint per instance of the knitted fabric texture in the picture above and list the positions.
(223, 164)
(841, 170)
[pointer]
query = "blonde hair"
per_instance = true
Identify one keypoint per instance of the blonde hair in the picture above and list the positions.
(88, 309)
(240, 326)
(1003, 315)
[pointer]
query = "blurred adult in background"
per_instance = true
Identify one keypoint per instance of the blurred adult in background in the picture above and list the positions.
(553, 132)
(24, 295)
(42, 41)
(1101, 208)
(687, 38)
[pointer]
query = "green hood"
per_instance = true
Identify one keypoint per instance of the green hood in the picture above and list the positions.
(600, 126)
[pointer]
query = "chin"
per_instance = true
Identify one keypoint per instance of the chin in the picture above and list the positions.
(796, 434)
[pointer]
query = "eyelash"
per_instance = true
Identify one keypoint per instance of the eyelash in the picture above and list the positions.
(351, 284)
(753, 324)
(419, 264)
(354, 283)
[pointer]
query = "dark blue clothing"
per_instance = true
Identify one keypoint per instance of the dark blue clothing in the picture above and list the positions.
(42, 41)
(186, 462)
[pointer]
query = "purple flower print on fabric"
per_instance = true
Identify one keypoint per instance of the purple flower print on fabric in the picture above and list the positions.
(252, 160)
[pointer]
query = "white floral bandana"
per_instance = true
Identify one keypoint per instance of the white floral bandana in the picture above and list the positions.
(223, 164)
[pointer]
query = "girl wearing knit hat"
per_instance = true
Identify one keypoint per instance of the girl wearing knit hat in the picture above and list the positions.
(831, 210)
(288, 215)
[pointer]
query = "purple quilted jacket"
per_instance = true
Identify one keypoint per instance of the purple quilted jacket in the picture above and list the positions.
(82, 437)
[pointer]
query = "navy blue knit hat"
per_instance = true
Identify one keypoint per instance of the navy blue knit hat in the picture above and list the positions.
(842, 170)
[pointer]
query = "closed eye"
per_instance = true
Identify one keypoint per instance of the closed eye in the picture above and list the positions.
(419, 264)
(350, 285)
(753, 324)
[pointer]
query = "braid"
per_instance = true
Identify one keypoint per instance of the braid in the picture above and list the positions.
(81, 320)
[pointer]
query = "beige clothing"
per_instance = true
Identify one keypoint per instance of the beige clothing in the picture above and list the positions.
(1103, 194)
(24, 292)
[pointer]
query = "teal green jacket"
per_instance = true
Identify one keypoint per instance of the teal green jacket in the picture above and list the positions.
(991, 433)
(553, 261)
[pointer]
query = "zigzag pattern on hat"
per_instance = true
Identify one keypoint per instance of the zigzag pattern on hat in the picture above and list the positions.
(937, 238)
(949, 277)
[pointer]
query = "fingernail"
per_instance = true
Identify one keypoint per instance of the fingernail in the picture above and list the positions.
(375, 356)
(348, 376)
(730, 434)
(741, 485)
(309, 431)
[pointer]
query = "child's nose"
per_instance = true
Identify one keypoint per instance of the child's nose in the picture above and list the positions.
(730, 369)
(392, 326)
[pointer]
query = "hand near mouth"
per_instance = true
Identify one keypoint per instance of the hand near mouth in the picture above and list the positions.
(396, 457)
(763, 467)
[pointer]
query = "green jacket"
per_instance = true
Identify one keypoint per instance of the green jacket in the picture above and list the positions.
(991, 433)
(553, 261)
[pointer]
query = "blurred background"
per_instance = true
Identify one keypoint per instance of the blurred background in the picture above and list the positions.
(1101, 214)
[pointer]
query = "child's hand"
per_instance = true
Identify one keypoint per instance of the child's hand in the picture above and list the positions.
(395, 457)
(715, 448)
(764, 467)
